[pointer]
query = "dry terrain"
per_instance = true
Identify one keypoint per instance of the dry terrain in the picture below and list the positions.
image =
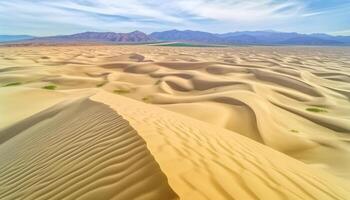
(151, 122)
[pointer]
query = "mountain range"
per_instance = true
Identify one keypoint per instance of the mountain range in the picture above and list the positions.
(232, 38)
(251, 38)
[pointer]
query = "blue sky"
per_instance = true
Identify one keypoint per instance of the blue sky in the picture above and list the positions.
(47, 17)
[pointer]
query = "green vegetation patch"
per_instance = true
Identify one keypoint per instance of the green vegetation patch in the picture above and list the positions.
(50, 87)
(178, 44)
(121, 91)
(316, 110)
(101, 84)
(158, 82)
(12, 84)
(146, 99)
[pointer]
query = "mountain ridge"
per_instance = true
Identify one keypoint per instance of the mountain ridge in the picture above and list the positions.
(267, 37)
(252, 38)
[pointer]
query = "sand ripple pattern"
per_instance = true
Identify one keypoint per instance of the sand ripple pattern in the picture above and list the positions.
(78, 150)
(206, 162)
(295, 100)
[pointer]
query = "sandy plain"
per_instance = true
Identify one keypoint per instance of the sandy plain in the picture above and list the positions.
(149, 122)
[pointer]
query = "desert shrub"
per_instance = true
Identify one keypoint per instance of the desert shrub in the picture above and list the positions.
(12, 84)
(146, 99)
(101, 84)
(158, 82)
(316, 110)
(49, 87)
(121, 91)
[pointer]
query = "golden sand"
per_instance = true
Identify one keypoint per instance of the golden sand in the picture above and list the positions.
(147, 122)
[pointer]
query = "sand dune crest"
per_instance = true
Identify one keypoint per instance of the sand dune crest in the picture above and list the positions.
(205, 123)
(207, 162)
(79, 150)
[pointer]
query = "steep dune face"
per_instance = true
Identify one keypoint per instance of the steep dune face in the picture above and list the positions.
(294, 100)
(78, 150)
(207, 162)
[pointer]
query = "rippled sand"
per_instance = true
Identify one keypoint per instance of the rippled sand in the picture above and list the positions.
(207, 123)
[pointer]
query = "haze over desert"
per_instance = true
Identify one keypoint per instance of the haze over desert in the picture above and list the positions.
(157, 122)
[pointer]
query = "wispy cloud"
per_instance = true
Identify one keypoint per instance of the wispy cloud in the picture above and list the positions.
(150, 14)
(247, 11)
(178, 11)
(133, 9)
(310, 14)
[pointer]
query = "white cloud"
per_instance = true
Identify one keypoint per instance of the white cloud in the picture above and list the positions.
(179, 12)
(127, 8)
(125, 15)
(21, 14)
(238, 10)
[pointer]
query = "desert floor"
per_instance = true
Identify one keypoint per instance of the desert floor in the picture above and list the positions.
(148, 122)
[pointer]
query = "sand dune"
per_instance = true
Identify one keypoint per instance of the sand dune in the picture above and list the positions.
(207, 162)
(78, 150)
(209, 123)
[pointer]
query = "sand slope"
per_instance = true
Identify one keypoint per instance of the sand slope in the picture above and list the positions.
(218, 123)
(206, 162)
(16, 103)
(78, 150)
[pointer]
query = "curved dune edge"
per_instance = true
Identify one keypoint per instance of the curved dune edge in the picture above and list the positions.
(78, 150)
(202, 161)
(264, 93)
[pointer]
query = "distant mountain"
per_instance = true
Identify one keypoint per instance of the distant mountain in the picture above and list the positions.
(343, 39)
(309, 40)
(261, 37)
(251, 37)
(239, 39)
(103, 37)
(10, 38)
(186, 36)
(232, 38)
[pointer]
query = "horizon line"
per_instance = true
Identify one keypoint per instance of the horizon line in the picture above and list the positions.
(181, 30)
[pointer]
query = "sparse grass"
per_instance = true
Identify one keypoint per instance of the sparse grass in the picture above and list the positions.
(146, 99)
(158, 82)
(316, 110)
(294, 131)
(101, 84)
(12, 84)
(49, 87)
(121, 91)
(9, 58)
